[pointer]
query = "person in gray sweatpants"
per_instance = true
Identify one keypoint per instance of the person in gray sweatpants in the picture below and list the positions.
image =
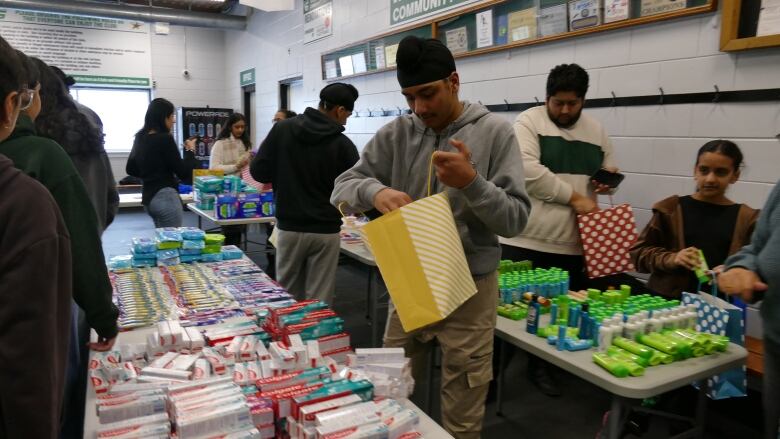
(301, 157)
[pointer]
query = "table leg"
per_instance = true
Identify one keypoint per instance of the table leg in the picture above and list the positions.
(429, 378)
(374, 302)
(615, 416)
(368, 291)
(502, 348)
(701, 408)
(200, 226)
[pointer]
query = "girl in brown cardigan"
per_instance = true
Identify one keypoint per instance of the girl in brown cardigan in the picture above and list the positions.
(707, 220)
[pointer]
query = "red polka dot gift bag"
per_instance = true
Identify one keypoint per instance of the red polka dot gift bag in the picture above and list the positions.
(607, 235)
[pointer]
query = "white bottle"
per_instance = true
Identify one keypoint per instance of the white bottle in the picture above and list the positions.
(606, 333)
(691, 318)
(630, 331)
(654, 323)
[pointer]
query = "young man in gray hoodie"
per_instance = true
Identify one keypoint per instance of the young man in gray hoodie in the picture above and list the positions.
(477, 163)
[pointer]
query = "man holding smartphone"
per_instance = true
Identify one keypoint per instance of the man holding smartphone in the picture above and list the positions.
(562, 150)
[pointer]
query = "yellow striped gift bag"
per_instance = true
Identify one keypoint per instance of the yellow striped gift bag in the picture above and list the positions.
(420, 255)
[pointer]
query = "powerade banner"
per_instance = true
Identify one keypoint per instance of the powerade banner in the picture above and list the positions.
(204, 124)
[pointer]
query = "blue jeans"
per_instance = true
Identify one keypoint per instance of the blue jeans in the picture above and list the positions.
(165, 208)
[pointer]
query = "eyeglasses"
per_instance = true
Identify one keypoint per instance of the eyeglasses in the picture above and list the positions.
(26, 98)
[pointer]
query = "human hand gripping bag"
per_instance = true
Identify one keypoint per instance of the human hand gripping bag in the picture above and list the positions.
(420, 255)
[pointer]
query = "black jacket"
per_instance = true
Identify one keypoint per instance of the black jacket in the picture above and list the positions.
(155, 159)
(302, 157)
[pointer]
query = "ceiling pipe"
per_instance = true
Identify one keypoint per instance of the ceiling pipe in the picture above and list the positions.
(127, 12)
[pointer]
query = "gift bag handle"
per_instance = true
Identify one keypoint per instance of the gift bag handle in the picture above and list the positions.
(430, 172)
(341, 211)
(713, 283)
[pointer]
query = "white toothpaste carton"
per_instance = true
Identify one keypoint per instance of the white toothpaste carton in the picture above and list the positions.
(179, 389)
(401, 422)
(379, 355)
(201, 370)
(143, 406)
(165, 338)
(212, 420)
(132, 427)
(100, 381)
(254, 371)
(204, 392)
(153, 348)
(247, 433)
(281, 354)
(267, 431)
(166, 373)
(184, 362)
(346, 424)
(133, 351)
(196, 405)
(262, 352)
(376, 430)
(384, 407)
(295, 341)
(145, 431)
(248, 347)
(266, 367)
(185, 347)
(313, 351)
(175, 331)
(196, 339)
(240, 375)
(232, 350)
(164, 362)
(121, 388)
(394, 370)
(216, 360)
(307, 414)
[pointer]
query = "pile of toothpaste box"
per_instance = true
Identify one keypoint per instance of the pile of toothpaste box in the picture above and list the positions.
(285, 375)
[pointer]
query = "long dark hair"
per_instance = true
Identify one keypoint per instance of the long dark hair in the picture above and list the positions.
(725, 147)
(32, 75)
(159, 110)
(60, 118)
(227, 130)
(11, 74)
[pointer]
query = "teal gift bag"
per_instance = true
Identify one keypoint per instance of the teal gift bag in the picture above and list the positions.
(719, 317)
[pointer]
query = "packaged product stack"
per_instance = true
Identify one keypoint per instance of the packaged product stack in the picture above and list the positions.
(229, 197)
(143, 296)
(212, 250)
(169, 241)
(309, 320)
(387, 368)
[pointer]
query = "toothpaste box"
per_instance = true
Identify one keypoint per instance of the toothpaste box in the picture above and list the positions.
(401, 423)
(136, 427)
(184, 362)
(334, 390)
(201, 370)
(291, 379)
(369, 431)
(212, 420)
(215, 359)
(115, 411)
(379, 355)
(164, 362)
(307, 414)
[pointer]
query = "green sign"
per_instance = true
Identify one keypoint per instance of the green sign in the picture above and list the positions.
(111, 80)
(402, 11)
(247, 77)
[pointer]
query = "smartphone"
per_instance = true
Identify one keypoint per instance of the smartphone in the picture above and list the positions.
(611, 179)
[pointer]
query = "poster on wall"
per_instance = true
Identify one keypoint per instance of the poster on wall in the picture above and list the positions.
(522, 25)
(204, 124)
(584, 13)
(317, 20)
(458, 40)
(769, 18)
(615, 10)
(653, 7)
(379, 56)
(485, 29)
(95, 51)
(553, 20)
(390, 52)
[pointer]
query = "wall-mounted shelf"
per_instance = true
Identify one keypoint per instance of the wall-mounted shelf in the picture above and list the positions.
(505, 25)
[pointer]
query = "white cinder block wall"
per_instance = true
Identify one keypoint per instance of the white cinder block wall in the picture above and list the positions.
(205, 57)
(655, 145)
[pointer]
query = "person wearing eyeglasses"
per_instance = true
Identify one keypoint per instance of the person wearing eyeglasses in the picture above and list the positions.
(302, 157)
(35, 282)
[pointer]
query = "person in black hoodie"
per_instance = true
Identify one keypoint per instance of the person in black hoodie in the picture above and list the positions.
(302, 157)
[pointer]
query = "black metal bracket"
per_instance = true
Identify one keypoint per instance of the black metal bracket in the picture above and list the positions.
(716, 96)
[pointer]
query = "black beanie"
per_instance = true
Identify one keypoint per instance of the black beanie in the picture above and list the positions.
(420, 61)
(339, 93)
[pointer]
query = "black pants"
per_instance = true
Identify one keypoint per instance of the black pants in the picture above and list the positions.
(233, 234)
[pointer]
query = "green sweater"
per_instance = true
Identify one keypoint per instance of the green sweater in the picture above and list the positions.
(46, 161)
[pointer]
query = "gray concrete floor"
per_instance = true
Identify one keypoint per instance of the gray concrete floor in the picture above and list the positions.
(527, 412)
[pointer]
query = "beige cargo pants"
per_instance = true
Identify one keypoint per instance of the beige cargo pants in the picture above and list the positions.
(466, 340)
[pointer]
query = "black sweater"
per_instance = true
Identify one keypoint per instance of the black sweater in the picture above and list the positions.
(155, 159)
(302, 157)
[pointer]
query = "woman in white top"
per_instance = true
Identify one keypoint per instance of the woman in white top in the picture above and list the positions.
(231, 153)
